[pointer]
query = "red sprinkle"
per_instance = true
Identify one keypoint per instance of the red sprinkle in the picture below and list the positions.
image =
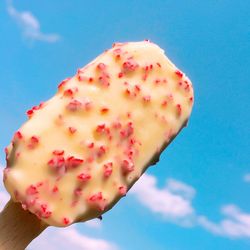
(179, 73)
(18, 136)
(57, 162)
(72, 130)
(58, 152)
(101, 151)
(68, 92)
(122, 190)
(127, 166)
(108, 169)
(104, 110)
(117, 53)
(31, 190)
(74, 105)
(137, 88)
(55, 189)
(120, 75)
(34, 140)
(73, 162)
(128, 131)
(101, 66)
(78, 191)
(30, 113)
(63, 83)
(130, 65)
(96, 197)
(104, 80)
(178, 107)
(164, 103)
(147, 98)
(84, 177)
(159, 65)
(91, 145)
(101, 128)
(65, 221)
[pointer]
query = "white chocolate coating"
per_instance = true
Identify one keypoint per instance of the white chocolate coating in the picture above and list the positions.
(81, 151)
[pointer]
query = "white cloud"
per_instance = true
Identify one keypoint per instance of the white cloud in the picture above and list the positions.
(95, 223)
(246, 177)
(180, 188)
(69, 238)
(236, 223)
(172, 201)
(30, 25)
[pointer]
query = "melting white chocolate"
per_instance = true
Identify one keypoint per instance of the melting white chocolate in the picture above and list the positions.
(81, 151)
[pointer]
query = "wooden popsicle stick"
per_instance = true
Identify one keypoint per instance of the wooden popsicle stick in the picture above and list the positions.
(18, 227)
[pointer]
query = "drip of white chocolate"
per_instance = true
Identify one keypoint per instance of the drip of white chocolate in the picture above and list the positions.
(81, 151)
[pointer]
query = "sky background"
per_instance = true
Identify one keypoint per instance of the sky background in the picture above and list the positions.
(197, 196)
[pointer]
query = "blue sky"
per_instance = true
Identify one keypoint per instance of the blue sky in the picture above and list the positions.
(203, 178)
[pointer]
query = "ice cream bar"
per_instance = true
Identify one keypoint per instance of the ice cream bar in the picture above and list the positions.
(83, 149)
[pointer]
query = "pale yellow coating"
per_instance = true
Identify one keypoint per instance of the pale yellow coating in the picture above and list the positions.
(157, 112)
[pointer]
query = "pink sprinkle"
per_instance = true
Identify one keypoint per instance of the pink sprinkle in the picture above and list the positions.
(57, 163)
(178, 107)
(38, 106)
(68, 92)
(74, 105)
(31, 190)
(58, 152)
(96, 197)
(147, 98)
(78, 191)
(65, 221)
(45, 213)
(72, 130)
(116, 125)
(137, 88)
(44, 207)
(62, 84)
(101, 66)
(101, 151)
(55, 189)
(122, 190)
(104, 110)
(18, 135)
(120, 75)
(128, 131)
(127, 166)
(117, 53)
(30, 113)
(91, 145)
(157, 81)
(179, 73)
(108, 169)
(100, 128)
(34, 140)
(104, 80)
(84, 177)
(73, 162)
(164, 103)
(81, 78)
(130, 65)
(127, 92)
